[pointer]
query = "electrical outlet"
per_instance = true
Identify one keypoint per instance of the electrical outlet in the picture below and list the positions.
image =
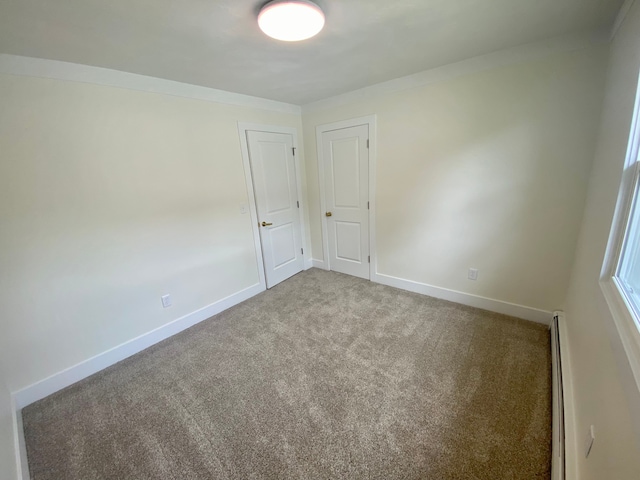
(166, 301)
(473, 274)
(588, 441)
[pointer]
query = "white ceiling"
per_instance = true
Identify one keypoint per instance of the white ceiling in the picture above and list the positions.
(217, 43)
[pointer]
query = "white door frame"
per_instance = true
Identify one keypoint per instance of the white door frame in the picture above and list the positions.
(369, 120)
(243, 128)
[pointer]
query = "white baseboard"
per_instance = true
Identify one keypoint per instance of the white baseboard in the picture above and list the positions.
(319, 264)
(308, 263)
(498, 306)
(73, 374)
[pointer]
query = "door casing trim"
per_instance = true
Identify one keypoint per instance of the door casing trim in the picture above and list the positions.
(369, 120)
(243, 128)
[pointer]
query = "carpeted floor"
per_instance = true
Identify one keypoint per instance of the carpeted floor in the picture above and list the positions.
(323, 376)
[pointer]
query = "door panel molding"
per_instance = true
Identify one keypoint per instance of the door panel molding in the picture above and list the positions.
(243, 128)
(371, 121)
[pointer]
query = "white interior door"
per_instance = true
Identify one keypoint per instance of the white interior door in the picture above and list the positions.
(276, 194)
(346, 172)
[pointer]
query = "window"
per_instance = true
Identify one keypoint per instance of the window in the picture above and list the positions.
(620, 279)
(627, 273)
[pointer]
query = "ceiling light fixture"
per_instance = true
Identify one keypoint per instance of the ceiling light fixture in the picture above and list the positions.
(291, 20)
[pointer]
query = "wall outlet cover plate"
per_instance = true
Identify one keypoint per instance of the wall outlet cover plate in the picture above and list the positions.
(166, 301)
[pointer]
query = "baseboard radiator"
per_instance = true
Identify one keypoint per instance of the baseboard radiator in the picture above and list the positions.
(558, 447)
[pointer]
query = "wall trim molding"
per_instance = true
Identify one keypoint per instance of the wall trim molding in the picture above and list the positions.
(88, 367)
(500, 58)
(622, 14)
(520, 311)
(75, 72)
(321, 264)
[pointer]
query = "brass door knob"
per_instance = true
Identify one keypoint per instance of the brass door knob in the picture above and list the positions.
(328, 214)
(265, 224)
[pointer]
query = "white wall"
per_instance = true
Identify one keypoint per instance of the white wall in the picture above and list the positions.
(599, 392)
(487, 170)
(110, 198)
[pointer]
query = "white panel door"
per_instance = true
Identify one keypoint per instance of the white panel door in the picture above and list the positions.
(346, 173)
(274, 185)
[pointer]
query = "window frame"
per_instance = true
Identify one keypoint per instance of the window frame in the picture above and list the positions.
(626, 316)
(630, 232)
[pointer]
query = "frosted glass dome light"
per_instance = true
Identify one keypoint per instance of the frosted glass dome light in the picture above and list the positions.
(291, 20)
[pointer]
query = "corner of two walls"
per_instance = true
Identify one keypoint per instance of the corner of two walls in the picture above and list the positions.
(112, 197)
(602, 394)
(488, 169)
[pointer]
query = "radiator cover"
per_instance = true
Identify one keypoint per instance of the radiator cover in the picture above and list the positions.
(558, 426)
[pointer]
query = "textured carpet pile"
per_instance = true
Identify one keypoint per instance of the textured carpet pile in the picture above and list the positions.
(325, 376)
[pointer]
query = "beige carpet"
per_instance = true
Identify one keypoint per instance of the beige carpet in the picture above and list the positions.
(324, 376)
